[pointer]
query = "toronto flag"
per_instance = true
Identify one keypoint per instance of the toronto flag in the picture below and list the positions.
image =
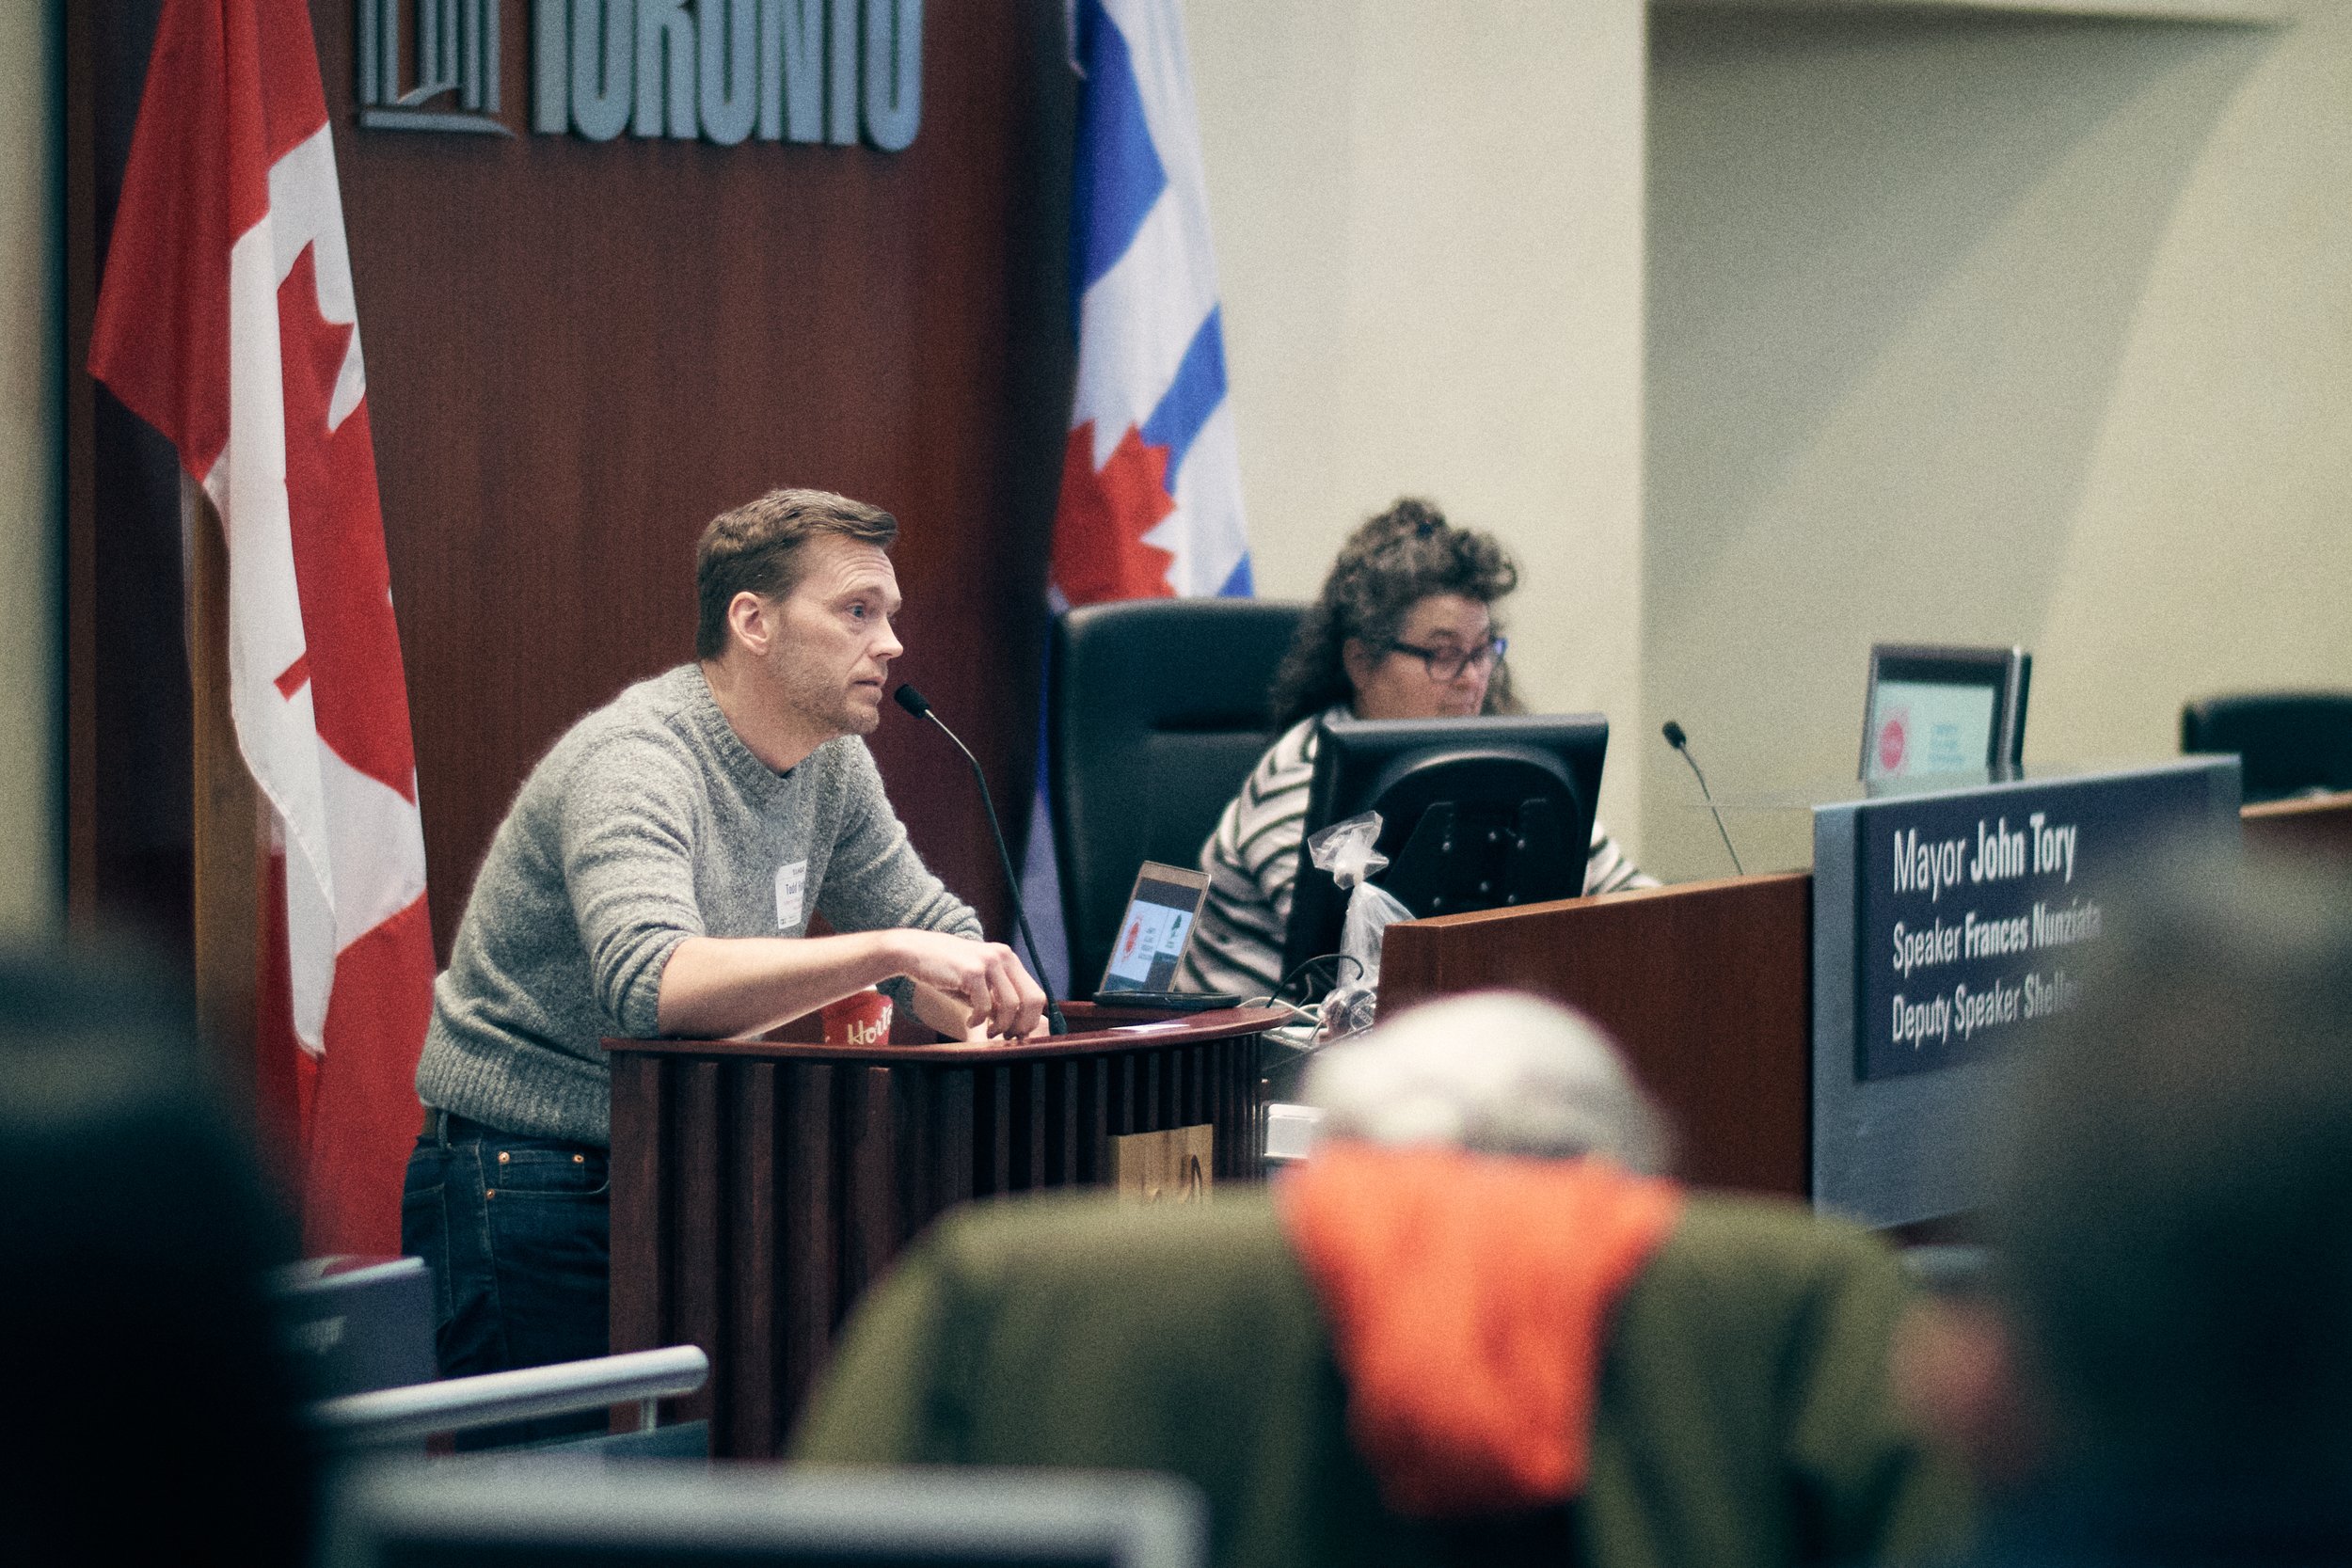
(1151, 483)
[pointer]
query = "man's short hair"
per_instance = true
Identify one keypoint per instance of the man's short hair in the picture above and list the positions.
(2177, 1219)
(756, 549)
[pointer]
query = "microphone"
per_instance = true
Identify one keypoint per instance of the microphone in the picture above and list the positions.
(915, 704)
(1681, 743)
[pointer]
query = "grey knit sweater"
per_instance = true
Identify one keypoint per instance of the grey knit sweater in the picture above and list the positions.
(649, 822)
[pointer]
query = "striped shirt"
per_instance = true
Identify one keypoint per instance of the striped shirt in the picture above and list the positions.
(1252, 861)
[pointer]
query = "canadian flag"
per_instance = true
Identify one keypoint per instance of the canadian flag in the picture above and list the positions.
(226, 320)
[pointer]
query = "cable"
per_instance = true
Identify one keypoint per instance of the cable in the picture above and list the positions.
(1311, 1011)
(1306, 964)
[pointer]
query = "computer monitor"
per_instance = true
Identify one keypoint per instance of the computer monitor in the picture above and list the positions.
(1944, 712)
(533, 1512)
(1475, 813)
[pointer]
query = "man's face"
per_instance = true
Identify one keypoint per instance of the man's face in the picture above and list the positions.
(829, 659)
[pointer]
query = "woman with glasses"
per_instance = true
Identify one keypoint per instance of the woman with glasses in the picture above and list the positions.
(1404, 629)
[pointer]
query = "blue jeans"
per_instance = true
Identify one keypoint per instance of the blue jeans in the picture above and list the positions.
(516, 1232)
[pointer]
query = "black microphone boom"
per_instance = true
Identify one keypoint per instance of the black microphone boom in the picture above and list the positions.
(1681, 743)
(912, 700)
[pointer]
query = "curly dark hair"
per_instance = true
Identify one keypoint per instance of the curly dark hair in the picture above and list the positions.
(1387, 567)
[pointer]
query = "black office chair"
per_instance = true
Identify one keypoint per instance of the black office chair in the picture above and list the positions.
(1159, 709)
(2291, 741)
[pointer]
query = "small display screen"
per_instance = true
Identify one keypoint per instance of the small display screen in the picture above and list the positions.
(1151, 939)
(1919, 727)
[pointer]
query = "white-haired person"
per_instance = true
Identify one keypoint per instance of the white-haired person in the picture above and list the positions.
(1477, 1322)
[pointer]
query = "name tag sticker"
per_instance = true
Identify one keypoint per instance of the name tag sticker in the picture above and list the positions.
(792, 889)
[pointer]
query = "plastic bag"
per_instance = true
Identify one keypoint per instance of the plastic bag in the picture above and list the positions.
(1346, 851)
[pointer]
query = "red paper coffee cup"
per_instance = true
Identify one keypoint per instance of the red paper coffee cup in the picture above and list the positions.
(861, 1018)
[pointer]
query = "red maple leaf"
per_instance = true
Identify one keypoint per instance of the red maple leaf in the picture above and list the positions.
(1099, 551)
(358, 694)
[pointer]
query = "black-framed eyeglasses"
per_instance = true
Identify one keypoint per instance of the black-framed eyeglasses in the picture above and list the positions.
(1445, 664)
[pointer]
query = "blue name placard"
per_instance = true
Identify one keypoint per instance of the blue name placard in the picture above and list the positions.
(1973, 911)
(1951, 925)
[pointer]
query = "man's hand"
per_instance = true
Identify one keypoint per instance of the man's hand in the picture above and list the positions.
(715, 987)
(984, 978)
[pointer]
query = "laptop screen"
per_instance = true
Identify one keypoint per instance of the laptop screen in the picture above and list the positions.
(1156, 926)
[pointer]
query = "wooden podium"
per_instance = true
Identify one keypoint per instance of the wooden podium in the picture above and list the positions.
(759, 1187)
(1707, 986)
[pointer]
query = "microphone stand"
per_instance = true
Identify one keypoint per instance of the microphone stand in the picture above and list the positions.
(1681, 742)
(915, 702)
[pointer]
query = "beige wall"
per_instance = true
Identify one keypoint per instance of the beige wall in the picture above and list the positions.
(29, 646)
(1988, 329)
(1967, 322)
(1428, 227)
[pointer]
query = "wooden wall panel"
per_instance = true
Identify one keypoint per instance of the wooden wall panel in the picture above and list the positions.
(579, 353)
(130, 782)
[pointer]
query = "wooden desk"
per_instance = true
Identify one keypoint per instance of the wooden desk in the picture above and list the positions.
(759, 1187)
(2306, 826)
(1707, 986)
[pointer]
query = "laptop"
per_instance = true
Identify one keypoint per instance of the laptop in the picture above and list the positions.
(1153, 935)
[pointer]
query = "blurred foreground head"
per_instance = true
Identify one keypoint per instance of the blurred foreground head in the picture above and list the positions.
(2177, 1219)
(151, 1413)
(1495, 1072)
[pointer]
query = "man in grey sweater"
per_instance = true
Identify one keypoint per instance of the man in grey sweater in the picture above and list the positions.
(655, 877)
